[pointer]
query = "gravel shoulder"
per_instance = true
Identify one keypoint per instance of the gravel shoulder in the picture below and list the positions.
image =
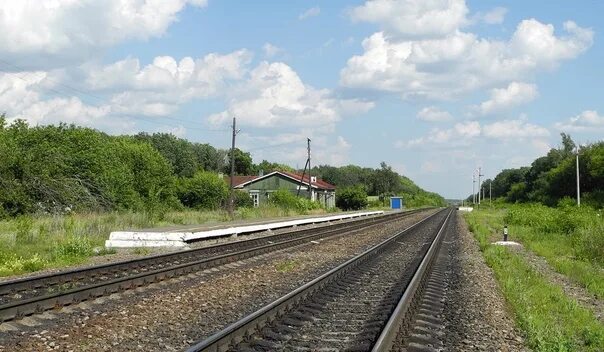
(171, 315)
(476, 315)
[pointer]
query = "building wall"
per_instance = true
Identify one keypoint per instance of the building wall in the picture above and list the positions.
(270, 184)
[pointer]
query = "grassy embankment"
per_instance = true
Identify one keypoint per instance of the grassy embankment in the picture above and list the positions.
(572, 242)
(30, 243)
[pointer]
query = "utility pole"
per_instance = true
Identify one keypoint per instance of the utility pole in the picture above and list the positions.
(231, 205)
(473, 184)
(309, 169)
(490, 191)
(578, 183)
(479, 183)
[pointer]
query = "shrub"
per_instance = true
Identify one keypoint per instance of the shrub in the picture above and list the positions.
(75, 247)
(242, 199)
(284, 199)
(352, 198)
(205, 190)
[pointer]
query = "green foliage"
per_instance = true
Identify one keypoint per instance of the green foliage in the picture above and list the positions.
(550, 320)
(60, 169)
(553, 177)
(243, 163)
(73, 248)
(287, 200)
(205, 190)
(582, 227)
(242, 199)
(351, 198)
(383, 182)
(267, 167)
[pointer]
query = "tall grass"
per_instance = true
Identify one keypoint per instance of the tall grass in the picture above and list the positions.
(551, 320)
(32, 243)
(571, 239)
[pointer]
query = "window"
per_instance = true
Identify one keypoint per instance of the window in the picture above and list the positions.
(255, 198)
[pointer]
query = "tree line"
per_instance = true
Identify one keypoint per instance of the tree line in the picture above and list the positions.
(65, 168)
(552, 178)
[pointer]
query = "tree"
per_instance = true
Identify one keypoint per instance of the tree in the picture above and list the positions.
(179, 152)
(351, 198)
(243, 163)
(267, 167)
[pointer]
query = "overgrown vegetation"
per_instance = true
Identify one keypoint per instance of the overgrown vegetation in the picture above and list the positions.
(64, 188)
(551, 320)
(29, 243)
(68, 169)
(351, 198)
(571, 239)
(283, 198)
(383, 182)
(551, 178)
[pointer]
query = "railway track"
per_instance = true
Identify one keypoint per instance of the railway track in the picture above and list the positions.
(32, 295)
(365, 304)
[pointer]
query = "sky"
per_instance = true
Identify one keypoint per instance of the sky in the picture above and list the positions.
(435, 88)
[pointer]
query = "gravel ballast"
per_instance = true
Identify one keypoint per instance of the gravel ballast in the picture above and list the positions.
(476, 316)
(171, 315)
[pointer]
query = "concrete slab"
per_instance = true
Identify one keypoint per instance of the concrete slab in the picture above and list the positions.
(173, 237)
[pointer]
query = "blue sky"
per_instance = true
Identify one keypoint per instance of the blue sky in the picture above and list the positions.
(434, 88)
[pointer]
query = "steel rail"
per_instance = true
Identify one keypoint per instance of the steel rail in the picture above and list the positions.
(16, 309)
(389, 333)
(66, 276)
(236, 332)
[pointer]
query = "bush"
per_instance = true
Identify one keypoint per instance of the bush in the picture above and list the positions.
(205, 190)
(284, 199)
(242, 199)
(287, 200)
(352, 198)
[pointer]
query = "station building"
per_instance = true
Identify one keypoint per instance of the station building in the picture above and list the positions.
(260, 187)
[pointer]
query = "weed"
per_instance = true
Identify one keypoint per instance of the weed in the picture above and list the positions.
(141, 251)
(285, 266)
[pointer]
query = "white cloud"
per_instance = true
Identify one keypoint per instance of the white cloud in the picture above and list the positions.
(199, 77)
(494, 16)
(120, 90)
(516, 93)
(458, 133)
(271, 50)
(438, 60)
(413, 18)
(47, 32)
(434, 114)
(275, 96)
(514, 129)
(587, 120)
(463, 133)
(312, 12)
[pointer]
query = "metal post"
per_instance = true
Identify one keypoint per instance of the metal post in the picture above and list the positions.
(479, 184)
(578, 183)
(231, 206)
(473, 194)
(309, 170)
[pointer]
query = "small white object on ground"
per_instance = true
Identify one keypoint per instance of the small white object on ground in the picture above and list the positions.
(507, 243)
(468, 209)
